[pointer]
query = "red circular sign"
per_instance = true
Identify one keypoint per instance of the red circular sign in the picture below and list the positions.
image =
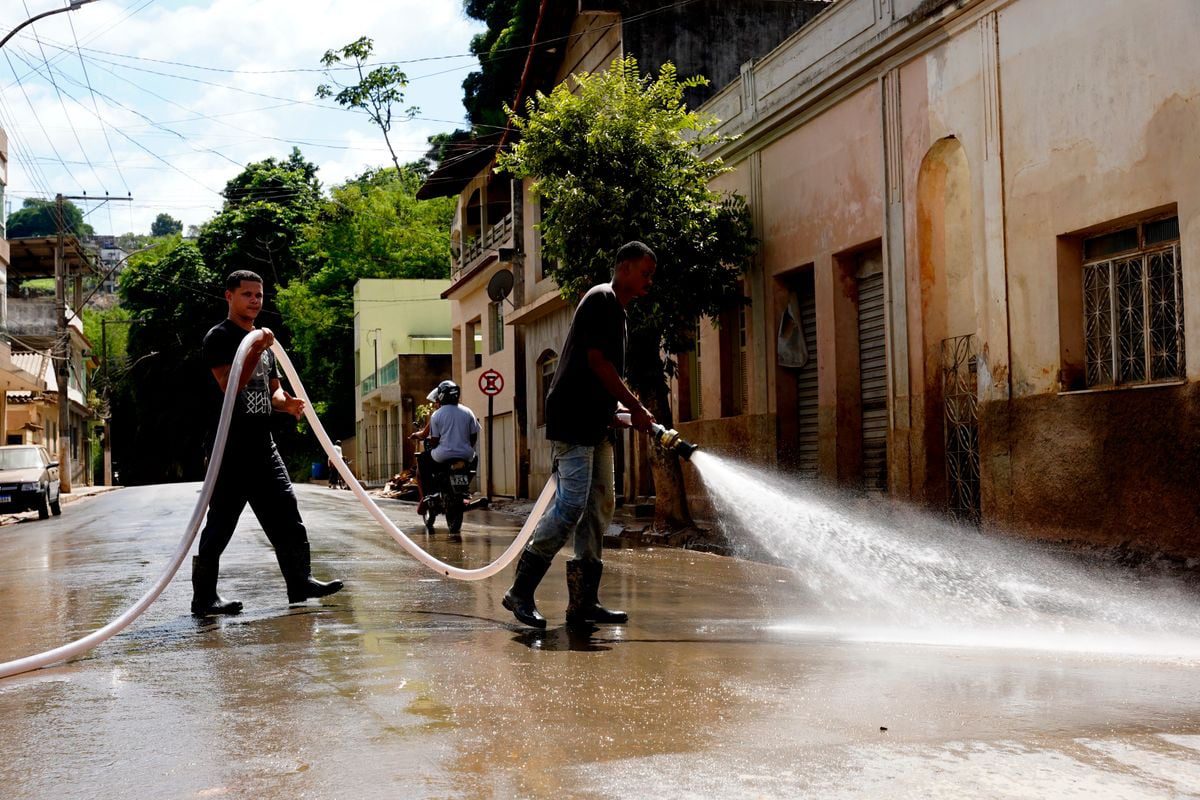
(491, 383)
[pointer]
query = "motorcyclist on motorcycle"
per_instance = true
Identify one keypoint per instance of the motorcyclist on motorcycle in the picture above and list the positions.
(450, 434)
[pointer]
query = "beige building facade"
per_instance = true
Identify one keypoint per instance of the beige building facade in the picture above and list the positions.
(402, 350)
(979, 225)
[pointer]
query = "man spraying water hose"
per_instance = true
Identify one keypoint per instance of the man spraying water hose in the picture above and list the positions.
(252, 470)
(580, 413)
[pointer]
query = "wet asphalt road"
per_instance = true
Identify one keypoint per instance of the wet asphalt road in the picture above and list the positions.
(409, 685)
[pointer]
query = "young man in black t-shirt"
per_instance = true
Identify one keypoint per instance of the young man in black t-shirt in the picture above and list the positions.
(580, 413)
(251, 469)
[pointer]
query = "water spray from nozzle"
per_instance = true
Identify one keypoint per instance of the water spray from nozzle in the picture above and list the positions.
(669, 439)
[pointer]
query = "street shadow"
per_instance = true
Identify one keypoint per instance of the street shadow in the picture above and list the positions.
(572, 638)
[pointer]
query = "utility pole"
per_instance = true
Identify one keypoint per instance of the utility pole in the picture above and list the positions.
(62, 350)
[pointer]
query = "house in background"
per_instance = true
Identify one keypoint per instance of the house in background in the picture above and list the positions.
(31, 323)
(12, 376)
(402, 349)
(33, 415)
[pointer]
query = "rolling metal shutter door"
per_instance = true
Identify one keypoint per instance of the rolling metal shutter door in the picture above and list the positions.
(808, 433)
(872, 361)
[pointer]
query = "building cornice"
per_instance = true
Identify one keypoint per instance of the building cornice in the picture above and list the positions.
(542, 307)
(829, 78)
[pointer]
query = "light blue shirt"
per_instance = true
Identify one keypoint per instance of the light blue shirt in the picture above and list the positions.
(453, 425)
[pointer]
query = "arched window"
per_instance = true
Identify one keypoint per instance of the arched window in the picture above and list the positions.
(547, 362)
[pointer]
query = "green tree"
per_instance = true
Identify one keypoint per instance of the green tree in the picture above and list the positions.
(502, 51)
(162, 395)
(108, 331)
(38, 217)
(261, 225)
(370, 227)
(165, 225)
(376, 92)
(616, 156)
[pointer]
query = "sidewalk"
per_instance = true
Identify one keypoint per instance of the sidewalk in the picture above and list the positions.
(77, 494)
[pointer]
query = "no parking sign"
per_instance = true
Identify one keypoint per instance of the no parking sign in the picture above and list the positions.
(491, 382)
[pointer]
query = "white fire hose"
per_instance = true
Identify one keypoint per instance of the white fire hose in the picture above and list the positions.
(82, 645)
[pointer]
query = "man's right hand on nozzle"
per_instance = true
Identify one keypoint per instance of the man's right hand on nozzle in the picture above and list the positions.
(268, 339)
(641, 419)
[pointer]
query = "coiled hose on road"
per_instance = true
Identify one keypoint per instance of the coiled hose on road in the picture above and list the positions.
(82, 645)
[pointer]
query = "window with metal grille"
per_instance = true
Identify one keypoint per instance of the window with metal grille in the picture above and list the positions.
(496, 326)
(1133, 305)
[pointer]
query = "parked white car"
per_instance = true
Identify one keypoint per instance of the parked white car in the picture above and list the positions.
(28, 480)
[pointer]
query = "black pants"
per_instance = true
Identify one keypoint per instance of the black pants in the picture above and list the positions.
(426, 472)
(256, 475)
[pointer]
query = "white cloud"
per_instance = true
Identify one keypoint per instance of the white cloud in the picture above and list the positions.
(251, 38)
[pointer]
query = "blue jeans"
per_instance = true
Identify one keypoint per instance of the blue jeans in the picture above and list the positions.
(583, 503)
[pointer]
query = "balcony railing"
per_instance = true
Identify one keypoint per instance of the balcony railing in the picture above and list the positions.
(474, 249)
(388, 374)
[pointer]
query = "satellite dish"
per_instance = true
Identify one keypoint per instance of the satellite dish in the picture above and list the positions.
(500, 285)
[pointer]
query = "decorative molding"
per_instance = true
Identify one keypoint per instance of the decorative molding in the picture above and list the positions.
(749, 92)
(893, 143)
(989, 52)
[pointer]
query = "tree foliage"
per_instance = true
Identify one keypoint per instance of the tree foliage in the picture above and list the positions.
(310, 251)
(376, 92)
(38, 217)
(371, 227)
(615, 156)
(501, 50)
(164, 403)
(261, 225)
(165, 225)
(619, 159)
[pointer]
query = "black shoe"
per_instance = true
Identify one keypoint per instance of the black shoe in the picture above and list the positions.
(309, 587)
(296, 566)
(583, 589)
(205, 600)
(519, 598)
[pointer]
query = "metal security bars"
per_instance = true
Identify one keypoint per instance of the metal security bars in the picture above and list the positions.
(1133, 307)
(960, 396)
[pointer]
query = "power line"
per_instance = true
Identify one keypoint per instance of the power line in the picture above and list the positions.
(490, 55)
(129, 14)
(138, 144)
(96, 106)
(151, 122)
(63, 103)
(38, 119)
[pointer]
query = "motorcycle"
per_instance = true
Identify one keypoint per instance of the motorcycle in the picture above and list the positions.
(449, 494)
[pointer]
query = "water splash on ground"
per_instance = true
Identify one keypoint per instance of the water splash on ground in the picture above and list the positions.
(890, 575)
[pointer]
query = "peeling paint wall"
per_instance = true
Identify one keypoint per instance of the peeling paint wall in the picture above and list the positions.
(977, 139)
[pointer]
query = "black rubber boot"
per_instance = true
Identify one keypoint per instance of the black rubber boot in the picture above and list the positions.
(301, 585)
(519, 598)
(205, 600)
(583, 588)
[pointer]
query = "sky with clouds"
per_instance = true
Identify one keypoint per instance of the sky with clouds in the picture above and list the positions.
(168, 99)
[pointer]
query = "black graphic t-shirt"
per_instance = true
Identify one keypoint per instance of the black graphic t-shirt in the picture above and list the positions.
(252, 412)
(579, 410)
